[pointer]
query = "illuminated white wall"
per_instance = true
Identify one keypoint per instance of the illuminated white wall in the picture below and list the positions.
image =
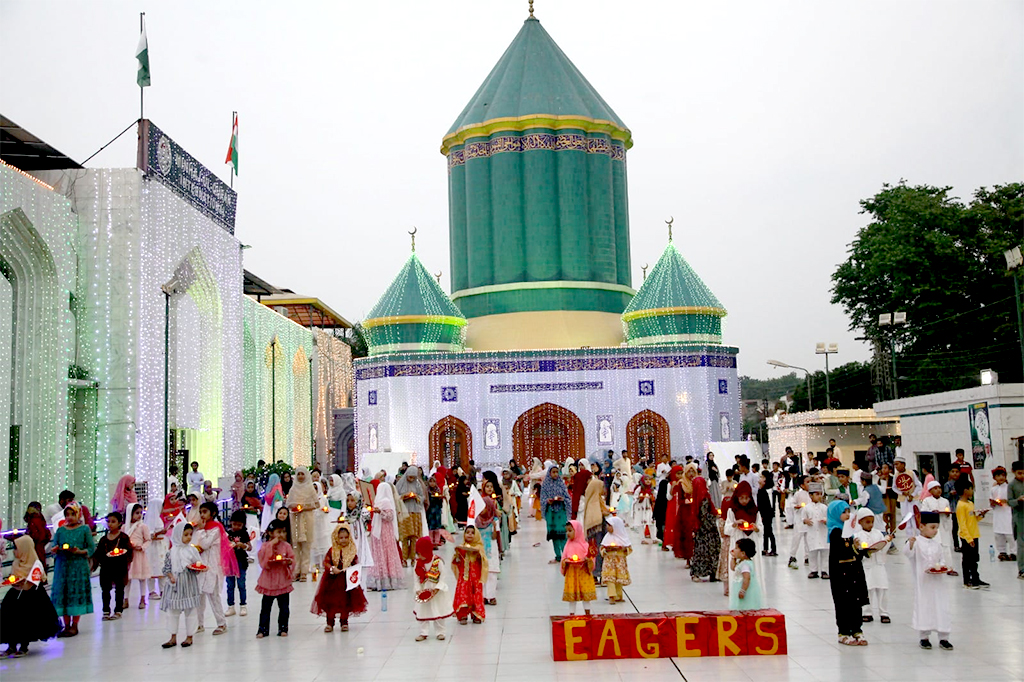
(689, 398)
(37, 264)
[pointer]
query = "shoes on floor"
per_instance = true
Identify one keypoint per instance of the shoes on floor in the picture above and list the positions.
(242, 611)
(945, 645)
(230, 611)
(981, 585)
(812, 575)
(824, 575)
(885, 619)
(925, 644)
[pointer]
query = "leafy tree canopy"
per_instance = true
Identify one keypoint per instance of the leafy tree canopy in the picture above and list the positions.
(941, 261)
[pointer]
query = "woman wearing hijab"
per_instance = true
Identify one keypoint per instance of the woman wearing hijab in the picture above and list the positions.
(846, 573)
(660, 510)
(386, 572)
(303, 503)
(686, 514)
(742, 522)
(35, 527)
(124, 494)
(553, 494)
(237, 490)
(579, 485)
(413, 494)
(502, 501)
(29, 615)
(723, 555)
(712, 475)
(671, 536)
(460, 505)
(707, 542)
(512, 493)
(594, 513)
(336, 496)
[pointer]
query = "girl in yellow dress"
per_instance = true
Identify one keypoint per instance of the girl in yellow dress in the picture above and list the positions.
(578, 569)
(615, 547)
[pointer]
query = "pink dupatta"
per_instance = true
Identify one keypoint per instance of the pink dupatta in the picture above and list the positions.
(228, 562)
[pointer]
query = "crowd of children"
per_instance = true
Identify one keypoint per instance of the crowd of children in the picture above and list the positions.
(186, 559)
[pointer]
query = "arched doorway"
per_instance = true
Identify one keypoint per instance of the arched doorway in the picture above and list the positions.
(451, 443)
(647, 436)
(344, 449)
(547, 431)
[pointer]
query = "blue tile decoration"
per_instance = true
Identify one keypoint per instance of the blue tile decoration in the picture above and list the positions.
(449, 394)
(723, 386)
(547, 365)
(371, 397)
(550, 386)
(646, 387)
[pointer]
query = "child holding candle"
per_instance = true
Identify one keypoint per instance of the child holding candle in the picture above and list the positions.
(815, 520)
(181, 591)
(935, 502)
(72, 591)
(303, 503)
(218, 556)
(434, 598)
(707, 543)
(970, 537)
(238, 537)
(386, 572)
(742, 522)
(470, 567)
(434, 520)
(140, 537)
(577, 567)
(113, 554)
(1002, 518)
(29, 615)
(875, 575)
(745, 594)
(333, 596)
(615, 547)
(798, 502)
(931, 602)
(276, 558)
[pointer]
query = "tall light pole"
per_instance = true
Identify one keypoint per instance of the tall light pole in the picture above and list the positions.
(807, 375)
(895, 320)
(1014, 262)
(827, 350)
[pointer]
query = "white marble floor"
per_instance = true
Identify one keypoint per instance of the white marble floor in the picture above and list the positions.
(514, 642)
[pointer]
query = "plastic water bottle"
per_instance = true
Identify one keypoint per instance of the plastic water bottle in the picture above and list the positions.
(991, 553)
(384, 600)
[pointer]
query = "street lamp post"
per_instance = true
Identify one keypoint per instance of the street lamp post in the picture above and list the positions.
(807, 376)
(1014, 262)
(894, 320)
(826, 350)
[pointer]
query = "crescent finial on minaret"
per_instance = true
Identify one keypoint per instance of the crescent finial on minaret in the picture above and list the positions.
(412, 233)
(669, 223)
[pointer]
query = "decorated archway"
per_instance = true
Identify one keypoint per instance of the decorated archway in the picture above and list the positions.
(547, 431)
(451, 443)
(647, 436)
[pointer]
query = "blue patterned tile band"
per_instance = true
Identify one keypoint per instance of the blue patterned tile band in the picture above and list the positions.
(539, 388)
(568, 364)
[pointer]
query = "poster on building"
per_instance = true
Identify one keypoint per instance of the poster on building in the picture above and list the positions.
(981, 434)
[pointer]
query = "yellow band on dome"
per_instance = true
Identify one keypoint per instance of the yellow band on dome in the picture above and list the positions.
(679, 310)
(547, 121)
(414, 319)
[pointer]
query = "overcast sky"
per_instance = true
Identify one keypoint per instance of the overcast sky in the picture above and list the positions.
(759, 126)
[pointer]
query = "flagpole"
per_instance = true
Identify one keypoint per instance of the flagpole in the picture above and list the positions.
(233, 115)
(142, 90)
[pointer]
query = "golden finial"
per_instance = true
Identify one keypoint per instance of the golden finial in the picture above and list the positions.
(437, 276)
(412, 234)
(669, 223)
(531, 9)
(644, 268)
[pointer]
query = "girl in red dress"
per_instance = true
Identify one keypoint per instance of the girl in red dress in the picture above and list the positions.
(333, 597)
(470, 567)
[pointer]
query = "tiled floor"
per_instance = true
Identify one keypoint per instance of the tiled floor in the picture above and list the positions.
(514, 642)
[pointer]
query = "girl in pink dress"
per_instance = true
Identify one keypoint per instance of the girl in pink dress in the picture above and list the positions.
(140, 535)
(386, 572)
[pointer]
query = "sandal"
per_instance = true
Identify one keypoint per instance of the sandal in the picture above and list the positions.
(187, 643)
(283, 633)
(885, 619)
(106, 616)
(221, 629)
(441, 637)
(169, 644)
(344, 628)
(462, 621)
(328, 628)
(421, 638)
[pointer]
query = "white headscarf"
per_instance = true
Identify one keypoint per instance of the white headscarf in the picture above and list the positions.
(303, 493)
(618, 536)
(128, 525)
(336, 492)
(182, 555)
(384, 500)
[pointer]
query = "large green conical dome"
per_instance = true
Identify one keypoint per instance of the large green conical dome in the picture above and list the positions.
(673, 306)
(414, 314)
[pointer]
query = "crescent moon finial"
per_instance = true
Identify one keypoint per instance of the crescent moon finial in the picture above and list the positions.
(437, 275)
(644, 268)
(412, 233)
(669, 223)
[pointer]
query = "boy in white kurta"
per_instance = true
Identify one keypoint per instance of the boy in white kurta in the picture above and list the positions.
(797, 503)
(815, 520)
(1002, 517)
(935, 502)
(434, 590)
(931, 601)
(875, 575)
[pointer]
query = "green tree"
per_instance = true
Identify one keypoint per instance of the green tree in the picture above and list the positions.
(928, 254)
(849, 387)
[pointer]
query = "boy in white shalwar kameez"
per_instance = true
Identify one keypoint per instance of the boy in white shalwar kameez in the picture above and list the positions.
(931, 601)
(1002, 517)
(875, 575)
(435, 593)
(798, 502)
(815, 520)
(935, 502)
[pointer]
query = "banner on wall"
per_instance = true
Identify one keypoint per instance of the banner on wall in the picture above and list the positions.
(981, 433)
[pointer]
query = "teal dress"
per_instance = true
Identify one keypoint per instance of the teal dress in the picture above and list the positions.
(72, 591)
(752, 598)
(556, 517)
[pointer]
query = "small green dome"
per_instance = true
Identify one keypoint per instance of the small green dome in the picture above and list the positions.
(414, 314)
(673, 306)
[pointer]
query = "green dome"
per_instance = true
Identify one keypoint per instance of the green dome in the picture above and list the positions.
(535, 80)
(414, 314)
(673, 306)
